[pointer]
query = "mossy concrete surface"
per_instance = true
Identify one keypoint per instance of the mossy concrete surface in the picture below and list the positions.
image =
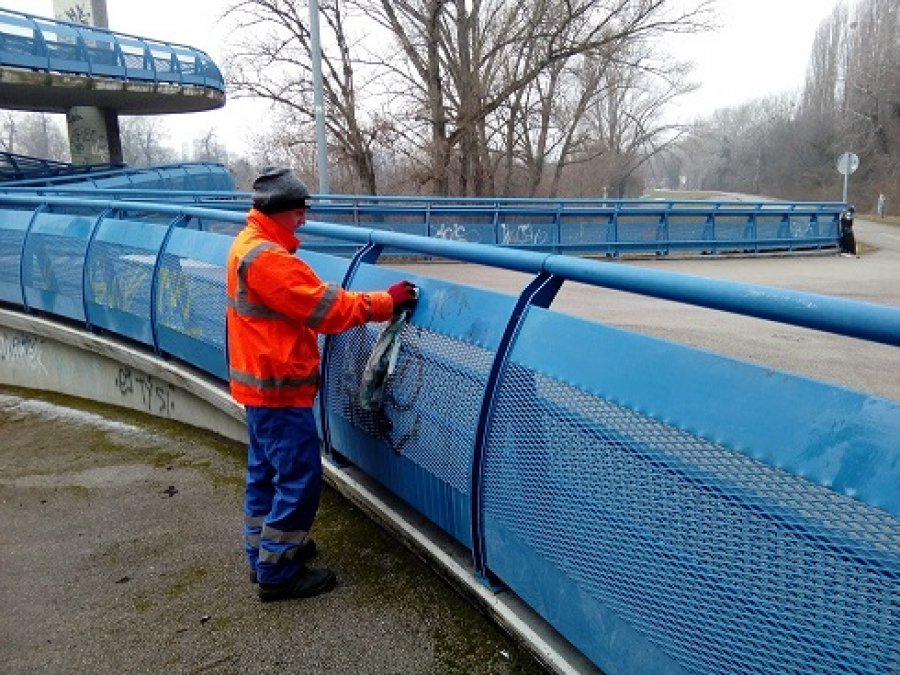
(120, 551)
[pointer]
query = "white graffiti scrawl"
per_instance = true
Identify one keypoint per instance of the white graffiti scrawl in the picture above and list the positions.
(22, 349)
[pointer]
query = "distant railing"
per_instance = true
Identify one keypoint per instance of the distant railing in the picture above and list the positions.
(667, 509)
(192, 178)
(38, 43)
(593, 226)
(571, 226)
(15, 167)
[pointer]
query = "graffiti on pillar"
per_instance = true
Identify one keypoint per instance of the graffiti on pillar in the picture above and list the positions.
(74, 11)
(87, 136)
(78, 14)
(22, 349)
(146, 392)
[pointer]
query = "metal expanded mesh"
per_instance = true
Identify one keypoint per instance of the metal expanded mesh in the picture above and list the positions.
(432, 401)
(10, 262)
(120, 277)
(727, 564)
(191, 299)
(53, 263)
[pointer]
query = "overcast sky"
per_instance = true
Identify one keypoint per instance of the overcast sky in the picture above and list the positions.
(761, 48)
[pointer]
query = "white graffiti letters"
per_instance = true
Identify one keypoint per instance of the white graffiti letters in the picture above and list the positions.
(23, 349)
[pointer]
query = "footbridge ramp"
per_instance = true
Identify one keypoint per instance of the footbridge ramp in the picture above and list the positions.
(52, 66)
(661, 508)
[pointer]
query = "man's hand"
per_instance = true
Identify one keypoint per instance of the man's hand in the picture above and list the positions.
(404, 294)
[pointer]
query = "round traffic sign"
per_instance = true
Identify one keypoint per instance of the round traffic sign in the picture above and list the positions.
(847, 163)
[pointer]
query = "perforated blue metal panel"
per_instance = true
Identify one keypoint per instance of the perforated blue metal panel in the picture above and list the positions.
(13, 225)
(191, 299)
(53, 263)
(601, 514)
(120, 267)
(421, 448)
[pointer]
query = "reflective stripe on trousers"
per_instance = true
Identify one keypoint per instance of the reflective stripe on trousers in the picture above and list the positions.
(284, 481)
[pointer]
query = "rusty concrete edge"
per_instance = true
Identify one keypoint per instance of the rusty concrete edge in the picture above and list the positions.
(446, 556)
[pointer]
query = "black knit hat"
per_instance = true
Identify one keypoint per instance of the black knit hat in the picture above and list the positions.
(277, 189)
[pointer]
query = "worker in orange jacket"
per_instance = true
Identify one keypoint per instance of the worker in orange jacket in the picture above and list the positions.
(276, 307)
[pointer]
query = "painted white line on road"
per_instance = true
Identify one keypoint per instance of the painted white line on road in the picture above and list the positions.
(892, 236)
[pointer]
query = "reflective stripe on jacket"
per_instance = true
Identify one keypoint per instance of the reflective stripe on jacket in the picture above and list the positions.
(276, 306)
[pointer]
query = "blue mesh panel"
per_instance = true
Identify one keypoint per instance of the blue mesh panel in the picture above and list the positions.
(732, 228)
(724, 563)
(119, 285)
(52, 269)
(12, 234)
(191, 299)
(428, 427)
(120, 277)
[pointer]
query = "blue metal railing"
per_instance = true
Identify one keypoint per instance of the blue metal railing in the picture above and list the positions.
(591, 226)
(598, 227)
(15, 167)
(751, 524)
(28, 41)
(191, 180)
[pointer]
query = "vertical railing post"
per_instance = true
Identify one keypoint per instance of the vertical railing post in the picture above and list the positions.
(367, 254)
(85, 268)
(557, 221)
(154, 282)
(615, 229)
(40, 209)
(539, 293)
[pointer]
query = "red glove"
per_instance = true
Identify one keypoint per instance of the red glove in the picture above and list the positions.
(404, 294)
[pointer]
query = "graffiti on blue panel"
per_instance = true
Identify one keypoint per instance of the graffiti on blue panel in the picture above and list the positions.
(523, 234)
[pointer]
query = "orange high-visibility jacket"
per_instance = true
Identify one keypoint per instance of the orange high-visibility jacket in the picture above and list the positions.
(276, 305)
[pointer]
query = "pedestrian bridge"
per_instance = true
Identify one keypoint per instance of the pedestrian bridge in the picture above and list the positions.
(664, 509)
(51, 66)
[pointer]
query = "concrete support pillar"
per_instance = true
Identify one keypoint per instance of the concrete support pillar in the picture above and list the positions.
(93, 132)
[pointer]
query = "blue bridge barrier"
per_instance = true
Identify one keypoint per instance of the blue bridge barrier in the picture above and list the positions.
(582, 227)
(587, 226)
(37, 43)
(748, 525)
(192, 178)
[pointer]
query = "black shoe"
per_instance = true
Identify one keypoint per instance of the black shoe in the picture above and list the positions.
(307, 582)
(306, 551)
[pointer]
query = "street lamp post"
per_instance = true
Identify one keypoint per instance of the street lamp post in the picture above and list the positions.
(850, 161)
(318, 102)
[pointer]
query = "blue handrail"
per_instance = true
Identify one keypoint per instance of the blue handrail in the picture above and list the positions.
(856, 319)
(35, 42)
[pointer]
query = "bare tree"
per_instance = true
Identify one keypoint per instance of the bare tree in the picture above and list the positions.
(143, 141)
(273, 62)
(471, 60)
(207, 148)
(33, 134)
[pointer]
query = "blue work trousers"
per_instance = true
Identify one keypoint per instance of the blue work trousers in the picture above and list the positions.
(284, 482)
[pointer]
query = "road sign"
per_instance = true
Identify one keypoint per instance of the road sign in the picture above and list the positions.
(847, 163)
